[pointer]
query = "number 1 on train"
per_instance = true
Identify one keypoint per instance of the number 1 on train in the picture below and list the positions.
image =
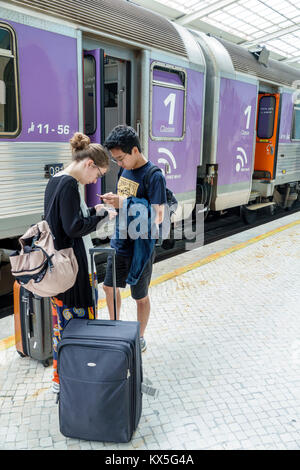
(170, 99)
(247, 113)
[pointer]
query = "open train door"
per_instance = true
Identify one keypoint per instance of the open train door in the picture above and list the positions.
(117, 73)
(267, 132)
(106, 104)
(93, 86)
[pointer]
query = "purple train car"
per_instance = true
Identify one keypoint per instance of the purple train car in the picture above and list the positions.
(222, 123)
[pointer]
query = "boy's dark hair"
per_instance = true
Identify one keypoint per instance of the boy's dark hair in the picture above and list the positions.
(123, 137)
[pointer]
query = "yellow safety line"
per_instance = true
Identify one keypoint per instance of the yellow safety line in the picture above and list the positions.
(10, 341)
(7, 342)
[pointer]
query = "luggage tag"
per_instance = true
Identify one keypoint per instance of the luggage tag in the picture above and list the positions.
(148, 390)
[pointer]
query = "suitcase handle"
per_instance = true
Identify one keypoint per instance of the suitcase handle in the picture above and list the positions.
(96, 323)
(112, 252)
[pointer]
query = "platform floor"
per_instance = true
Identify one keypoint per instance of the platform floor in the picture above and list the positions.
(223, 350)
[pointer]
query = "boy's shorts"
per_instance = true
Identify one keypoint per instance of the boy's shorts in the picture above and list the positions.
(123, 263)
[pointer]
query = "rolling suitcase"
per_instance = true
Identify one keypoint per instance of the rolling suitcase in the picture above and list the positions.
(33, 325)
(100, 372)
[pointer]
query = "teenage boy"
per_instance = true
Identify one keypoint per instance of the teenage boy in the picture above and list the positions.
(125, 149)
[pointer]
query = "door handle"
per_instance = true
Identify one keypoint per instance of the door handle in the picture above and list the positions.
(167, 168)
(138, 128)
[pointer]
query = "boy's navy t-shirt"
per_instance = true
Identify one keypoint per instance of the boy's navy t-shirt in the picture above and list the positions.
(131, 183)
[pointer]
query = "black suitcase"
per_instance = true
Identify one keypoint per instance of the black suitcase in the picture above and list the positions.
(100, 371)
(33, 325)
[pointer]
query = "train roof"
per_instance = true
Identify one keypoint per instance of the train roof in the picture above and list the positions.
(117, 18)
(231, 58)
(244, 61)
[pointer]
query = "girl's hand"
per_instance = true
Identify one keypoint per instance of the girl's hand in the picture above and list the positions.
(111, 213)
(101, 208)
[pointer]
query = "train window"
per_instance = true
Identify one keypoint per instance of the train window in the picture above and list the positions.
(9, 96)
(168, 102)
(266, 117)
(110, 95)
(5, 41)
(89, 81)
(168, 77)
(296, 123)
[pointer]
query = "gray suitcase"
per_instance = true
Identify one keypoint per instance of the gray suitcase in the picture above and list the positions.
(100, 371)
(33, 325)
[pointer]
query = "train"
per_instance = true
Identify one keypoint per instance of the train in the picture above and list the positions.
(222, 122)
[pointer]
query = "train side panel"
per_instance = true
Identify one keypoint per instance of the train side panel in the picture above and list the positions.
(288, 158)
(48, 84)
(177, 144)
(235, 143)
(48, 94)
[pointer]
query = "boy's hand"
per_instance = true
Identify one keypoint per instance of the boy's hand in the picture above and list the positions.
(113, 200)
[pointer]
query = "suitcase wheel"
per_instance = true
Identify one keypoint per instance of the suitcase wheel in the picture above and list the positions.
(21, 354)
(45, 363)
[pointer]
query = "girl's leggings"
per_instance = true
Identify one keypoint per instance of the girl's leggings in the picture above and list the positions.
(61, 315)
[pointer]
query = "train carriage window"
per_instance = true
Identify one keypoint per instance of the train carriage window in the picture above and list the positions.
(111, 95)
(90, 112)
(296, 123)
(266, 117)
(168, 102)
(5, 41)
(9, 96)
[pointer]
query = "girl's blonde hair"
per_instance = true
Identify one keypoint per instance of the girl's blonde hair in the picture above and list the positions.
(83, 148)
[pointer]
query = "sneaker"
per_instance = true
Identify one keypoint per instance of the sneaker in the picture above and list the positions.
(55, 387)
(143, 344)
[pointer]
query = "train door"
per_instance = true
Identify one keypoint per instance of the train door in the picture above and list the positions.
(106, 104)
(116, 105)
(93, 63)
(267, 131)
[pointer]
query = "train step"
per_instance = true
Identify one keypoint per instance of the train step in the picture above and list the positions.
(254, 207)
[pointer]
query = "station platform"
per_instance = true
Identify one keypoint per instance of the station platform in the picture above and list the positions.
(223, 350)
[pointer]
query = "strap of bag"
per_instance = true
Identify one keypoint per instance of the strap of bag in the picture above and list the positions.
(120, 172)
(146, 180)
(50, 264)
(148, 175)
(171, 199)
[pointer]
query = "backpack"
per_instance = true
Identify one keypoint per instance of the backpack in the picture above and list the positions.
(171, 199)
(38, 266)
(172, 204)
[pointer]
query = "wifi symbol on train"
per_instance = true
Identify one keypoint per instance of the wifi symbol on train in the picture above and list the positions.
(166, 162)
(241, 160)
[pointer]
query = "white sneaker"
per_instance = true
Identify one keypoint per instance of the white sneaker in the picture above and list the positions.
(55, 387)
(143, 344)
